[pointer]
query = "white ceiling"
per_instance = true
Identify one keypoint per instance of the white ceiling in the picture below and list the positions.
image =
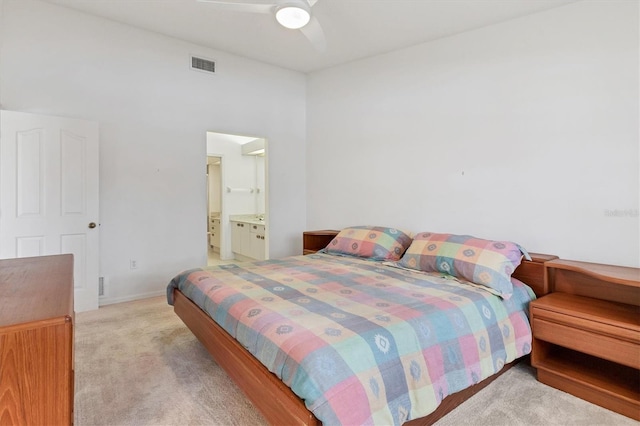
(354, 29)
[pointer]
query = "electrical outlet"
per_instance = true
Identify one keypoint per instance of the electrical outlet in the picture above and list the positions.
(133, 264)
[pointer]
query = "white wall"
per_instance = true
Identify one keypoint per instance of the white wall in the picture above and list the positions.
(260, 165)
(154, 112)
(215, 188)
(526, 131)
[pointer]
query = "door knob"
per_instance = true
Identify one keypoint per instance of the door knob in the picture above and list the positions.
(92, 225)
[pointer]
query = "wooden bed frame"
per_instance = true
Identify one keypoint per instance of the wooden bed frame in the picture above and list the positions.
(276, 401)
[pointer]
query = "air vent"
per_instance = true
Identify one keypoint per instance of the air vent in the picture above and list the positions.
(202, 64)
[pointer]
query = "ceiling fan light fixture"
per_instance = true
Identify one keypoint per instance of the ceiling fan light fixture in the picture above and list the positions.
(293, 16)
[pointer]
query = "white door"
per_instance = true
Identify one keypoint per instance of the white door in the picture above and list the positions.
(49, 194)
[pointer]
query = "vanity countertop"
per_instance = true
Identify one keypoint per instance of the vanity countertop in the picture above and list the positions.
(254, 219)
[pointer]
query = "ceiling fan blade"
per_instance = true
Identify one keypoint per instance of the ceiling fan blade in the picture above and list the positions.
(312, 2)
(313, 31)
(241, 7)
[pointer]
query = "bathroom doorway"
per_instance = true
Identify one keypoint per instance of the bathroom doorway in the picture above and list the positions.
(237, 189)
(214, 208)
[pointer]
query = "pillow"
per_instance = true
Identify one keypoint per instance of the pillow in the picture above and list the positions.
(484, 262)
(372, 242)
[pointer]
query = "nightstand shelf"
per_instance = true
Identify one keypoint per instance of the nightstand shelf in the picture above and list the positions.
(312, 241)
(585, 345)
(563, 365)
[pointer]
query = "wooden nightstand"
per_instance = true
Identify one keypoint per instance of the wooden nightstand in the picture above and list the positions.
(312, 241)
(586, 345)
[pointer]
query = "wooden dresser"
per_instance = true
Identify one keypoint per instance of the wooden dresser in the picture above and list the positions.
(36, 341)
(586, 333)
(312, 241)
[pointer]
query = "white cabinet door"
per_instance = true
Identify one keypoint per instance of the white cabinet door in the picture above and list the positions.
(257, 242)
(240, 239)
(245, 243)
(49, 194)
(236, 237)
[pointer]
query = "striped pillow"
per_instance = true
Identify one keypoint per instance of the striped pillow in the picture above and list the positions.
(371, 242)
(484, 262)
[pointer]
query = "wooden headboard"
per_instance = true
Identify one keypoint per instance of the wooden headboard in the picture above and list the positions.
(531, 272)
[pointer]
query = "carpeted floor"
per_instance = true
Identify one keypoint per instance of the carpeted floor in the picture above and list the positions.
(137, 364)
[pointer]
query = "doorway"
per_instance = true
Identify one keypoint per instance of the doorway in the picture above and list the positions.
(237, 190)
(214, 208)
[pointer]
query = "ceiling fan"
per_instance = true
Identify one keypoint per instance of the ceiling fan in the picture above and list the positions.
(292, 14)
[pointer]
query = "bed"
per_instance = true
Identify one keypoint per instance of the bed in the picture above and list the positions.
(364, 337)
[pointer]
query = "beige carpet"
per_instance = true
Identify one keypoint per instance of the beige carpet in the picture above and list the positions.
(137, 364)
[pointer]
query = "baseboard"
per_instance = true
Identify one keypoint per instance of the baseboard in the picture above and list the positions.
(242, 258)
(111, 300)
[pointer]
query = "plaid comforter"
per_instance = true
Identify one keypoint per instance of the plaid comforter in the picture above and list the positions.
(361, 342)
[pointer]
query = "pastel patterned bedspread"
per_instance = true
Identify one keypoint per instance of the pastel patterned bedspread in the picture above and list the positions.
(360, 342)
